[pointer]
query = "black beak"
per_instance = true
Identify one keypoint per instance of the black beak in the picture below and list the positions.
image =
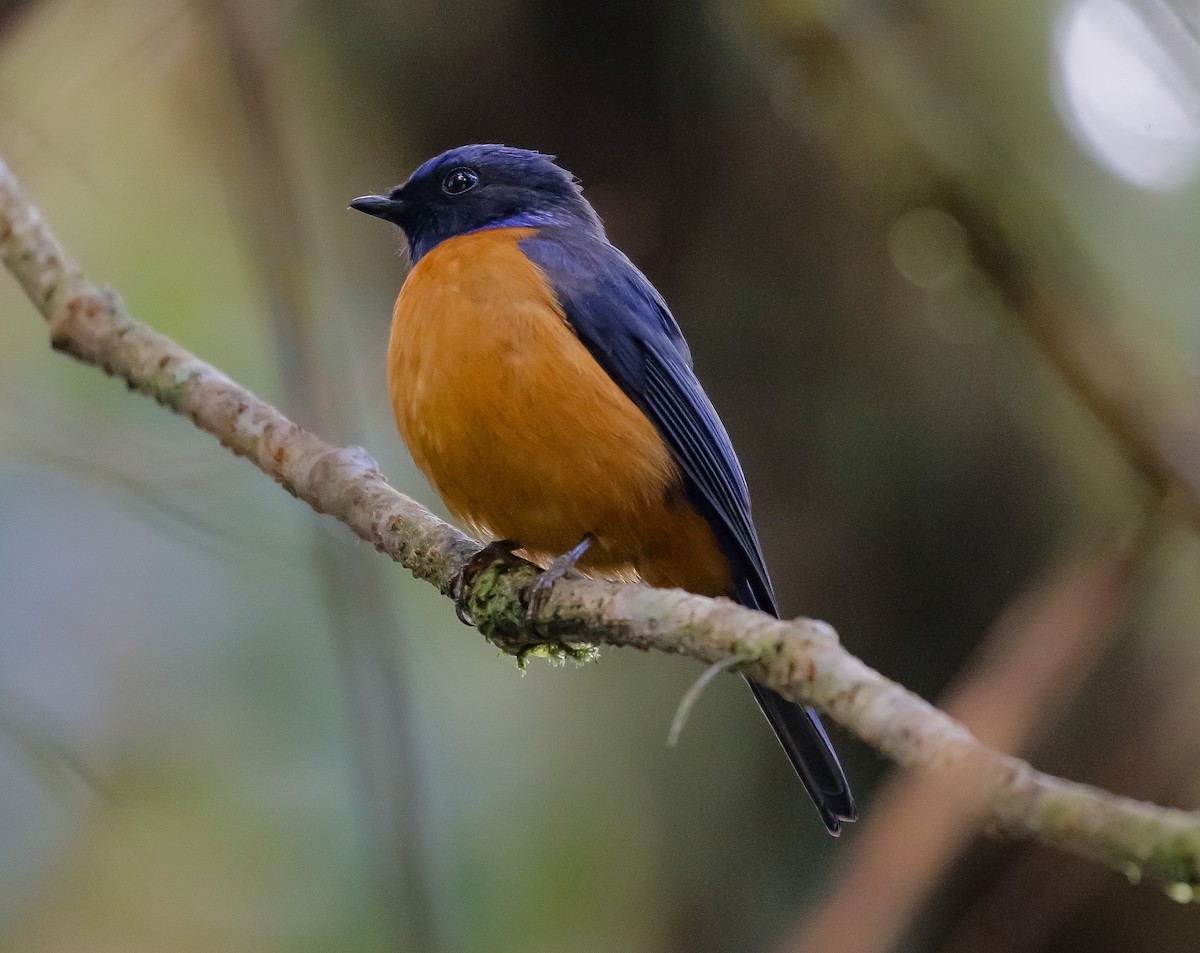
(391, 210)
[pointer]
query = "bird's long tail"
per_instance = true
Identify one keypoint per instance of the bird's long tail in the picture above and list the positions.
(799, 729)
(800, 732)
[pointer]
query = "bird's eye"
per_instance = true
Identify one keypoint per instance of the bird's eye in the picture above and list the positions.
(458, 181)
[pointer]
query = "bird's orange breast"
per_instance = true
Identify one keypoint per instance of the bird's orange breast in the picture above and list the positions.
(521, 432)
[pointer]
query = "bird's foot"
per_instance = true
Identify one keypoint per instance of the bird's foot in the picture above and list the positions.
(539, 589)
(499, 551)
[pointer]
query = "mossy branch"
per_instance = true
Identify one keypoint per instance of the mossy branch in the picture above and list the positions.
(802, 658)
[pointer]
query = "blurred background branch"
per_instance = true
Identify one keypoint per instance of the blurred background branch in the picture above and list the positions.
(364, 628)
(995, 217)
(1040, 653)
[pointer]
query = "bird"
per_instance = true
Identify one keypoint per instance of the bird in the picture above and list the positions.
(544, 389)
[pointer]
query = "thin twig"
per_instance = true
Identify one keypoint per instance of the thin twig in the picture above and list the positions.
(684, 710)
(802, 658)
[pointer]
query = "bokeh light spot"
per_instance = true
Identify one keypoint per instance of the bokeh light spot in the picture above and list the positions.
(1125, 93)
(928, 247)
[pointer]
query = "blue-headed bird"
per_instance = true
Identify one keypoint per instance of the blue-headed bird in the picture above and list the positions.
(545, 390)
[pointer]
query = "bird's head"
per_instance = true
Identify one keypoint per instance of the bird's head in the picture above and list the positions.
(476, 187)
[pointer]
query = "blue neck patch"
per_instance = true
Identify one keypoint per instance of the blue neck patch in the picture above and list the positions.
(428, 239)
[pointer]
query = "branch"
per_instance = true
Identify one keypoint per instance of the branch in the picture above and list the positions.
(802, 658)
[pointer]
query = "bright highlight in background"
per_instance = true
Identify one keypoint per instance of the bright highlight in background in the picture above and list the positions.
(1128, 88)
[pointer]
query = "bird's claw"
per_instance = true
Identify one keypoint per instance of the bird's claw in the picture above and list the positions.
(502, 551)
(539, 590)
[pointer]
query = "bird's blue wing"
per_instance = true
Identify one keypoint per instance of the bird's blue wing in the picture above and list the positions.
(625, 324)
